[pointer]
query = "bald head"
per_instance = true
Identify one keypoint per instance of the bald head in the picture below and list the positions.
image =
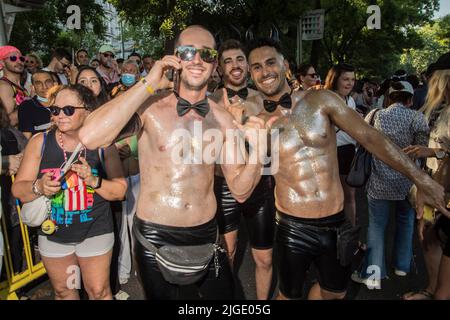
(194, 34)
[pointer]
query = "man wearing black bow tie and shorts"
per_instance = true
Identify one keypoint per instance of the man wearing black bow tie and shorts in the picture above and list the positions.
(259, 210)
(308, 191)
(176, 205)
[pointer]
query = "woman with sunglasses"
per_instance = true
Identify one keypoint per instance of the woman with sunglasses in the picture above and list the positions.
(79, 231)
(12, 93)
(307, 76)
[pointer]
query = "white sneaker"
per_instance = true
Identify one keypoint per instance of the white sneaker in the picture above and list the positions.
(400, 273)
(370, 283)
(121, 295)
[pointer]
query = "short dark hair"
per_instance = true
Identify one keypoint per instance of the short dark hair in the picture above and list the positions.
(334, 73)
(61, 53)
(40, 72)
(399, 96)
(81, 50)
(135, 54)
(265, 42)
(303, 68)
(55, 77)
(85, 95)
(146, 56)
(120, 60)
(231, 44)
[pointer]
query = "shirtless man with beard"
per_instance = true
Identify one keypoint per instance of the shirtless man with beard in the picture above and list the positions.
(176, 203)
(308, 192)
(259, 210)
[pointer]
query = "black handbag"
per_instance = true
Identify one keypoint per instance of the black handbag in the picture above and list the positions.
(183, 265)
(361, 166)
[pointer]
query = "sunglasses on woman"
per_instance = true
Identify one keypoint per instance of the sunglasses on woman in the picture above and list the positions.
(187, 53)
(14, 58)
(68, 110)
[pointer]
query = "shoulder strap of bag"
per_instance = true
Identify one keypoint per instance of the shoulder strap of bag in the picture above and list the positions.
(43, 144)
(151, 247)
(372, 119)
(147, 244)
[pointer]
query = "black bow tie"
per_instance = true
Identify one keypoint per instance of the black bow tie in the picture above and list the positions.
(285, 101)
(242, 93)
(183, 106)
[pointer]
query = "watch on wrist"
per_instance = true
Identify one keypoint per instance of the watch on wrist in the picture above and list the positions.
(440, 154)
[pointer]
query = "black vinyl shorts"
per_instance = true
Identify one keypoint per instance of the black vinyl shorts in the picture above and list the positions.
(258, 212)
(345, 156)
(154, 284)
(302, 241)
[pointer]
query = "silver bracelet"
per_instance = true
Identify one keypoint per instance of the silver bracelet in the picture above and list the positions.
(35, 189)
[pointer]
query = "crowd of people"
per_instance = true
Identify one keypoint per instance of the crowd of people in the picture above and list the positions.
(125, 202)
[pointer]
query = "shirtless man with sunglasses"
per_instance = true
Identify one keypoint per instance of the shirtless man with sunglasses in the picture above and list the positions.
(176, 204)
(12, 94)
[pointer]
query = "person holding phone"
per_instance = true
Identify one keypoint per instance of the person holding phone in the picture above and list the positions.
(80, 211)
(176, 204)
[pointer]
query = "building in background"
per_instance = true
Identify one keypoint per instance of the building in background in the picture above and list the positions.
(114, 31)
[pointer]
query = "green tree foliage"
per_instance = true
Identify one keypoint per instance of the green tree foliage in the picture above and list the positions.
(45, 29)
(436, 40)
(347, 38)
(144, 40)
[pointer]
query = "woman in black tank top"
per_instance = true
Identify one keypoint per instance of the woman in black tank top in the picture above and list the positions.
(81, 215)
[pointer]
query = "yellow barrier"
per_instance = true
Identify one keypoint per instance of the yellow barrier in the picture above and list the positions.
(32, 272)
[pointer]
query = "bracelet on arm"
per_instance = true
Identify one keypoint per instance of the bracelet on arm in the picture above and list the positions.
(35, 189)
(148, 86)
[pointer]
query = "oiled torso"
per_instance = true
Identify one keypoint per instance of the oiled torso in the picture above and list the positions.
(307, 182)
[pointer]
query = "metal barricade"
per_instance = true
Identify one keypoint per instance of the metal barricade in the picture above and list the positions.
(14, 280)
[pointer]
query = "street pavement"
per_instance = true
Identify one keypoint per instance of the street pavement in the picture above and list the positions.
(391, 288)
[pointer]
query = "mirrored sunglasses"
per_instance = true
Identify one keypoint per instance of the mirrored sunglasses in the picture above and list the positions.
(187, 53)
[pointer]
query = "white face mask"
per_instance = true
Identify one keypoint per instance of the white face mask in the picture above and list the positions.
(42, 99)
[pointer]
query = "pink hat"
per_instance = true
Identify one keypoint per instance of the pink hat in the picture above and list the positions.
(6, 50)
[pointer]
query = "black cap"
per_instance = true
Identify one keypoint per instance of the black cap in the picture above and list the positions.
(442, 63)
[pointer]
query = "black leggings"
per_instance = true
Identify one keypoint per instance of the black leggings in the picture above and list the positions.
(258, 212)
(154, 284)
(302, 241)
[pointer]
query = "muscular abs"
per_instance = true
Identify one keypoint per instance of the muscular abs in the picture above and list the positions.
(307, 182)
(171, 193)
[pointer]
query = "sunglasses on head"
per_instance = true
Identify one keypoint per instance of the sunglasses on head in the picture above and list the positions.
(14, 58)
(68, 110)
(108, 55)
(187, 53)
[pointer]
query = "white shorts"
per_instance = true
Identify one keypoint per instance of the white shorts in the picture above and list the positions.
(90, 247)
